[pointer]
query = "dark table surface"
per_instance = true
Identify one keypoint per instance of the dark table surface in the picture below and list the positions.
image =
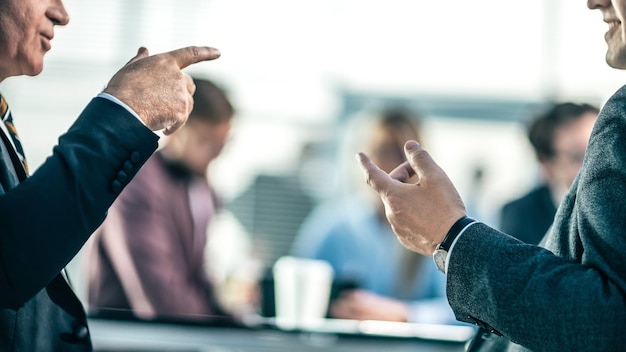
(335, 336)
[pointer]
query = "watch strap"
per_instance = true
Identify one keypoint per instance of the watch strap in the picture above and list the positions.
(454, 232)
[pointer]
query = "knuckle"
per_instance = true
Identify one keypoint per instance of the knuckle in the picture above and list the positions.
(369, 180)
(194, 51)
(160, 60)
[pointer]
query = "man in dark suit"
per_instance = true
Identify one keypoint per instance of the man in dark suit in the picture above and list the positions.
(46, 218)
(559, 137)
(568, 296)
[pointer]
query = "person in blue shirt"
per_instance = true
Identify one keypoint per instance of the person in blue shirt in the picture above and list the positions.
(353, 236)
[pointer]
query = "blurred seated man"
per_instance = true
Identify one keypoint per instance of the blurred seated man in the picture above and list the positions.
(559, 138)
(352, 234)
(147, 259)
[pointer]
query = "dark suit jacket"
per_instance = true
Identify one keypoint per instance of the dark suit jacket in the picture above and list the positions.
(570, 295)
(45, 220)
(528, 218)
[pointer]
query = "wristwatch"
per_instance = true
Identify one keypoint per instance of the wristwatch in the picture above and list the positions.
(441, 253)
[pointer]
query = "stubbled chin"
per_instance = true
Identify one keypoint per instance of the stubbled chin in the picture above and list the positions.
(34, 68)
(35, 72)
(616, 53)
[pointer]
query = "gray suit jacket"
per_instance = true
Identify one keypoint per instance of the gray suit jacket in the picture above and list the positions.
(570, 295)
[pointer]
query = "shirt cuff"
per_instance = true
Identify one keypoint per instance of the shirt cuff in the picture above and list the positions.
(120, 103)
(454, 243)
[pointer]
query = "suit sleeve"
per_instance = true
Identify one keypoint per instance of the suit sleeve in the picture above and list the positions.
(575, 298)
(47, 218)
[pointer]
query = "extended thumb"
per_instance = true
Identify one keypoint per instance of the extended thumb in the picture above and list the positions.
(142, 53)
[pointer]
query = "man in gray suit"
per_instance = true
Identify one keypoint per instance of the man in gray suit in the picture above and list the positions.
(570, 294)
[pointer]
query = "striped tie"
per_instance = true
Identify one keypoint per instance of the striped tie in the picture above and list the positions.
(5, 113)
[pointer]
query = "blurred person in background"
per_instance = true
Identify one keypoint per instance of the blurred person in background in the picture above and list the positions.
(147, 260)
(390, 282)
(559, 138)
(47, 216)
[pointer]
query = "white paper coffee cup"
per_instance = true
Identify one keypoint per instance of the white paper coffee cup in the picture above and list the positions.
(302, 290)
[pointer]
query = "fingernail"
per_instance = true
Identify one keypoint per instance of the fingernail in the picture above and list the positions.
(411, 145)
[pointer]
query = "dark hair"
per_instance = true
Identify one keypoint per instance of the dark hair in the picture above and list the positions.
(542, 129)
(403, 121)
(210, 103)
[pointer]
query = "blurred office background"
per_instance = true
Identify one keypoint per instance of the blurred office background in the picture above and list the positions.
(299, 71)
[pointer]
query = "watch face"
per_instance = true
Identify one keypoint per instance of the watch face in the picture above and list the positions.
(440, 259)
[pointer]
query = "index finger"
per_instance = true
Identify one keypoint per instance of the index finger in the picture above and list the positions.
(194, 54)
(402, 172)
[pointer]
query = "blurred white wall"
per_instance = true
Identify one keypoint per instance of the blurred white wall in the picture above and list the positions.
(282, 60)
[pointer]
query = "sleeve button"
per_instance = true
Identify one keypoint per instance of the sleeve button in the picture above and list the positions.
(122, 176)
(80, 332)
(134, 157)
(128, 166)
